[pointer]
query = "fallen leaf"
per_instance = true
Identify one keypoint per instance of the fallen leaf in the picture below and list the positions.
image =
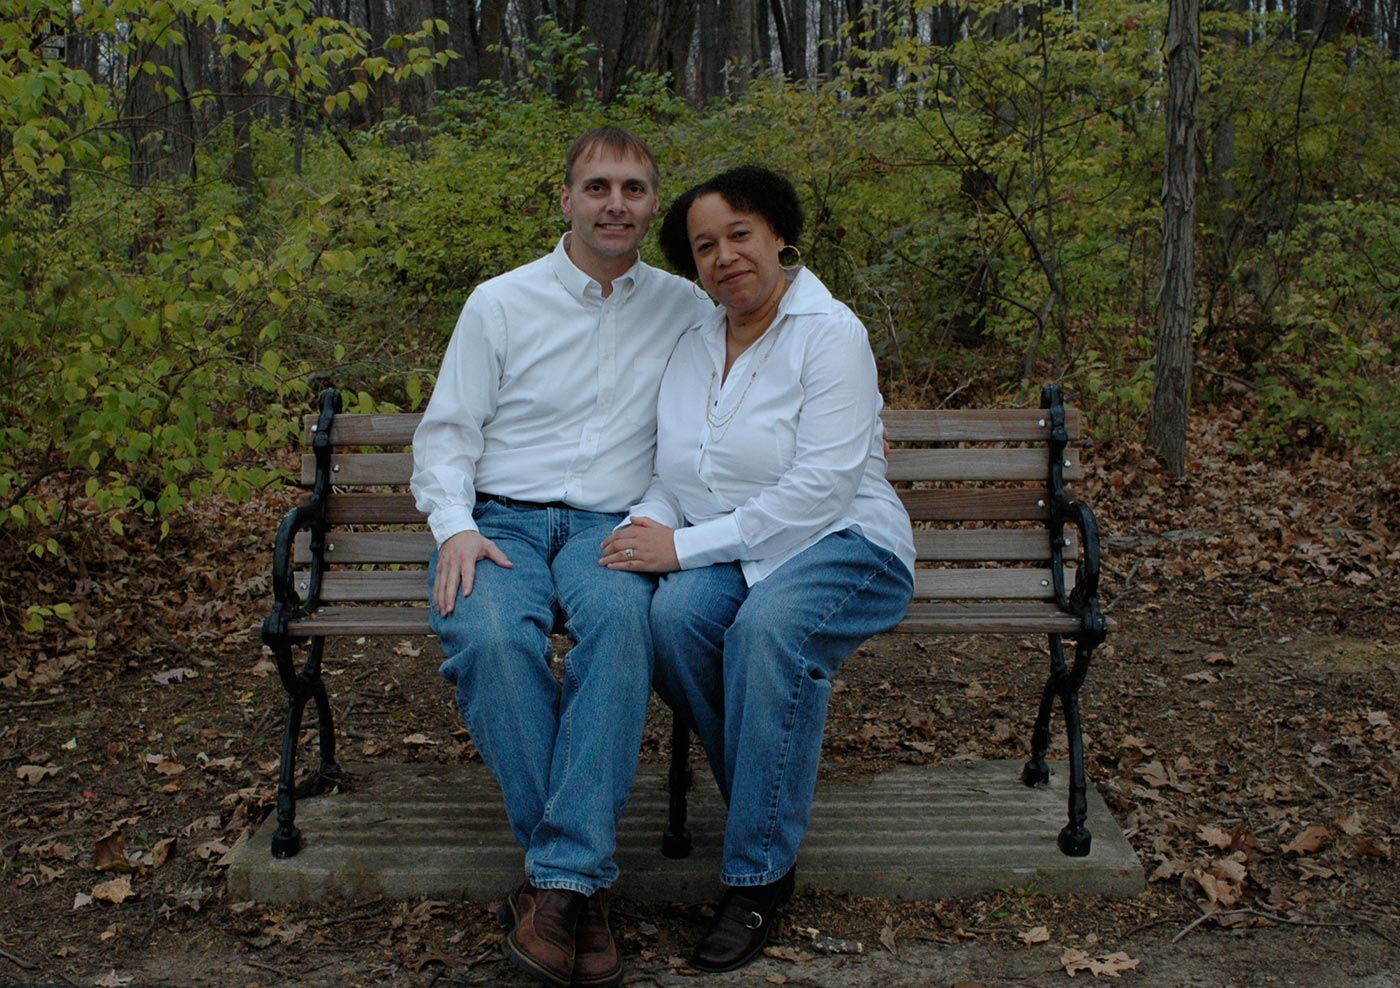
(1214, 836)
(161, 852)
(113, 980)
(1109, 966)
(81, 899)
(419, 739)
(169, 676)
(1309, 841)
(35, 773)
(117, 891)
(109, 854)
(790, 954)
(887, 939)
(407, 649)
(1351, 825)
(1218, 659)
(1036, 934)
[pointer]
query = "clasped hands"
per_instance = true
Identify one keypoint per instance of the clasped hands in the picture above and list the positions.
(644, 546)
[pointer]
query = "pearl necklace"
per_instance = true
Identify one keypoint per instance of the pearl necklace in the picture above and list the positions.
(723, 422)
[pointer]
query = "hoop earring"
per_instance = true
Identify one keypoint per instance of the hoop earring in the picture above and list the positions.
(795, 262)
(699, 291)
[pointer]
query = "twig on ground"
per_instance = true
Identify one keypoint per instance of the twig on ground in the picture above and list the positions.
(1272, 917)
(18, 962)
(266, 967)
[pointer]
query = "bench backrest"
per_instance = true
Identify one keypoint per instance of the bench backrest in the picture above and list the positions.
(977, 483)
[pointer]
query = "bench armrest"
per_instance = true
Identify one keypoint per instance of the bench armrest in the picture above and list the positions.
(308, 516)
(1083, 597)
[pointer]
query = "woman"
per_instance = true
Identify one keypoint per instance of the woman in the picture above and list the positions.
(783, 544)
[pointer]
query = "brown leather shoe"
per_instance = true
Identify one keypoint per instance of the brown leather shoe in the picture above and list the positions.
(542, 942)
(509, 913)
(596, 960)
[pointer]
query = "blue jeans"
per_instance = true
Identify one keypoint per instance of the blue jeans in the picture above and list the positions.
(750, 669)
(564, 755)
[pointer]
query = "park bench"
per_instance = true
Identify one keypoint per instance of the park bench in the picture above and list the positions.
(1002, 549)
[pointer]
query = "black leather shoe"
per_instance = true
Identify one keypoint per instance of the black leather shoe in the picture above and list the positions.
(741, 925)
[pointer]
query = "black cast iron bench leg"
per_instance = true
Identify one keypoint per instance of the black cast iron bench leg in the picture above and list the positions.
(1063, 685)
(676, 843)
(301, 687)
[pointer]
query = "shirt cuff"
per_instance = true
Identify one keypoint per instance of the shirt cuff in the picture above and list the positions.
(451, 520)
(716, 541)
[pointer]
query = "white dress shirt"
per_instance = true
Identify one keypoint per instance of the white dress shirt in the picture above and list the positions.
(548, 390)
(788, 450)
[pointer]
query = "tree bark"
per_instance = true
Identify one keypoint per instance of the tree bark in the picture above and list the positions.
(1171, 391)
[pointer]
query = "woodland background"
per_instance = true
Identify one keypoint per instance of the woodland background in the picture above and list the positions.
(210, 209)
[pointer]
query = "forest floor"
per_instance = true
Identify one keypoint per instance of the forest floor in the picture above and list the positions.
(1241, 725)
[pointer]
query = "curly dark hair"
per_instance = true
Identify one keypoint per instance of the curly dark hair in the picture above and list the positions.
(747, 189)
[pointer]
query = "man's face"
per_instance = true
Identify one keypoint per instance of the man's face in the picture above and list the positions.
(611, 204)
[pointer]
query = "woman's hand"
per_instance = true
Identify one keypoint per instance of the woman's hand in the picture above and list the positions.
(644, 546)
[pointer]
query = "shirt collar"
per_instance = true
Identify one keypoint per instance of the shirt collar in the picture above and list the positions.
(805, 295)
(583, 286)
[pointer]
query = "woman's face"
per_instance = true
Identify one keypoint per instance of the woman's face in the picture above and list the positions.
(736, 254)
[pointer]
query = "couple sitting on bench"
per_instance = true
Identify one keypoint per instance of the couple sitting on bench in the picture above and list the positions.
(698, 491)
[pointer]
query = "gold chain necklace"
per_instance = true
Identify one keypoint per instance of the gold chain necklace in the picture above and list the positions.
(723, 422)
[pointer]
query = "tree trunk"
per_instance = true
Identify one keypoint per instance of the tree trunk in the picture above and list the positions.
(1171, 391)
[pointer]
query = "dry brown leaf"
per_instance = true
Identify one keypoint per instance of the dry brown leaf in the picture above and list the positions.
(117, 891)
(1310, 841)
(1108, 966)
(113, 980)
(1214, 837)
(421, 740)
(1036, 934)
(109, 854)
(35, 773)
(162, 851)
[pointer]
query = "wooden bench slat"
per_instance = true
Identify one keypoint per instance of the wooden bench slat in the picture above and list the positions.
(956, 425)
(366, 430)
(950, 465)
(923, 504)
(371, 586)
(350, 469)
(949, 425)
(942, 617)
(962, 465)
(962, 583)
(966, 504)
(371, 547)
(951, 617)
(986, 545)
(387, 508)
(363, 621)
(952, 545)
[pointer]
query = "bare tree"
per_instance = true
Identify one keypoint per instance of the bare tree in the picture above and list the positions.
(1171, 391)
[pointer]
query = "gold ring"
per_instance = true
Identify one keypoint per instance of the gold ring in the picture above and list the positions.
(629, 553)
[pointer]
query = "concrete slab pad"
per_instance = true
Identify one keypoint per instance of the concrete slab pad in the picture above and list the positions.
(403, 830)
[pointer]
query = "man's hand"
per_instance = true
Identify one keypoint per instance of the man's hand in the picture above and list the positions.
(644, 546)
(456, 567)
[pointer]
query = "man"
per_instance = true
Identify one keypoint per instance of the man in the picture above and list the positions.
(539, 435)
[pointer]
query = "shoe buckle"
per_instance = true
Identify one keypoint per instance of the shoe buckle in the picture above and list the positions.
(754, 922)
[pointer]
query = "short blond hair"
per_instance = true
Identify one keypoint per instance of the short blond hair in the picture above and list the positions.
(618, 140)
